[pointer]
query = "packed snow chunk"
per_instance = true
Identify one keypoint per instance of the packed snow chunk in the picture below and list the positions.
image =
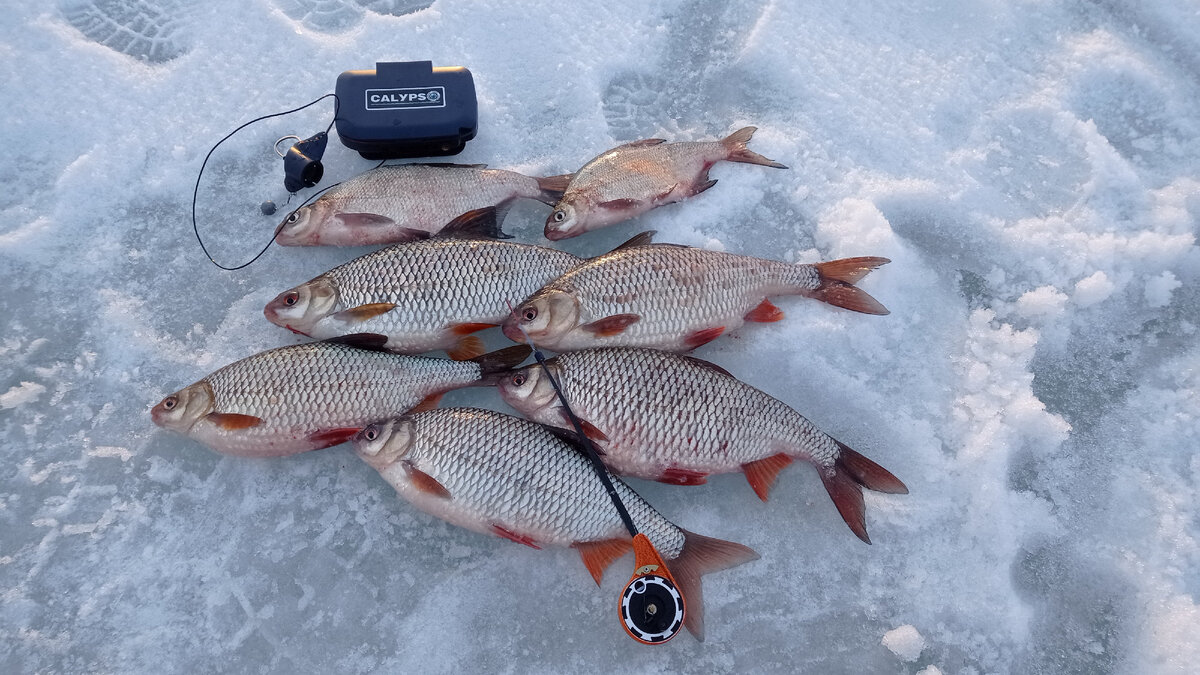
(21, 394)
(905, 642)
(1158, 289)
(1093, 290)
(930, 670)
(1044, 302)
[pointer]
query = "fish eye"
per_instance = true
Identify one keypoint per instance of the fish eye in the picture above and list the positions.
(294, 217)
(518, 379)
(371, 433)
(529, 314)
(558, 216)
(291, 298)
(170, 402)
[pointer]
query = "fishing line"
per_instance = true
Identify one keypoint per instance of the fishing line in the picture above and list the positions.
(196, 189)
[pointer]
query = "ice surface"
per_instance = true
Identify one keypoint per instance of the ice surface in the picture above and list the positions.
(1030, 167)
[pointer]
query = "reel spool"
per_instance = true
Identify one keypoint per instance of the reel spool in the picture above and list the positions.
(651, 607)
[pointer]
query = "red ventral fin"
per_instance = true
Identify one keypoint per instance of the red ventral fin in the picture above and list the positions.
(618, 204)
(468, 328)
(428, 403)
(762, 473)
(613, 325)
(513, 536)
(364, 312)
(467, 348)
(329, 437)
(365, 220)
(703, 337)
(588, 430)
(677, 476)
(232, 421)
(424, 482)
(598, 555)
(765, 313)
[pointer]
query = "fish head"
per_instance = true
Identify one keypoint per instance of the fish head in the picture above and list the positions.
(382, 444)
(564, 222)
(529, 391)
(548, 315)
(301, 308)
(302, 226)
(180, 411)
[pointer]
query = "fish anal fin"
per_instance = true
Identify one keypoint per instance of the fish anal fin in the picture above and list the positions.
(466, 348)
(765, 312)
(611, 325)
(424, 482)
(703, 337)
(589, 430)
(364, 312)
(676, 476)
(619, 204)
(326, 438)
(365, 220)
(233, 421)
(513, 536)
(428, 403)
(761, 473)
(598, 555)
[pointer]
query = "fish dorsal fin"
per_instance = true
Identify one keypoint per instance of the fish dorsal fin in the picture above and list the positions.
(477, 224)
(640, 239)
(370, 341)
(644, 143)
(709, 365)
(445, 165)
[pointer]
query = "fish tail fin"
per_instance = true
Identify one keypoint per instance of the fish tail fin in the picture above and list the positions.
(494, 365)
(736, 142)
(551, 188)
(837, 284)
(702, 555)
(850, 473)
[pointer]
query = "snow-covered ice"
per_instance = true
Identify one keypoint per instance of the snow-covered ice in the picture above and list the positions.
(1032, 168)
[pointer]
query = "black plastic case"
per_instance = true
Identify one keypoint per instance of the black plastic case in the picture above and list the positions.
(406, 109)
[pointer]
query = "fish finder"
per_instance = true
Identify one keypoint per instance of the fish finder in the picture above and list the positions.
(406, 109)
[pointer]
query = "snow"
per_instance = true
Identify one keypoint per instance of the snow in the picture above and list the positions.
(905, 642)
(1029, 167)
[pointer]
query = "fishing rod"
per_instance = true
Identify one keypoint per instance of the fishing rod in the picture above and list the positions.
(651, 606)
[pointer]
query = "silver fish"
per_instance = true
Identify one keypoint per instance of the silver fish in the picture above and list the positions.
(634, 178)
(504, 476)
(311, 396)
(676, 297)
(677, 419)
(423, 295)
(403, 202)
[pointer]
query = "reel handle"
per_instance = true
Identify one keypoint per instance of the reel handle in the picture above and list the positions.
(651, 607)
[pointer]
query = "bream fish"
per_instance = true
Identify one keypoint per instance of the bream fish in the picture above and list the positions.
(505, 476)
(423, 295)
(677, 419)
(676, 298)
(634, 178)
(311, 396)
(404, 202)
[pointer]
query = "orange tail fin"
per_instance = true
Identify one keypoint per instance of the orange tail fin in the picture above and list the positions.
(850, 474)
(736, 142)
(837, 284)
(700, 556)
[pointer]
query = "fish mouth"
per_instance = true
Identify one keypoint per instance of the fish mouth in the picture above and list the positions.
(512, 332)
(558, 235)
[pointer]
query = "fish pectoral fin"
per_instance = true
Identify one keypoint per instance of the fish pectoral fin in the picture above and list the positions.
(513, 536)
(765, 312)
(364, 312)
(703, 337)
(611, 325)
(572, 438)
(424, 482)
(466, 348)
(589, 430)
(428, 403)
(598, 555)
(619, 204)
(365, 220)
(677, 476)
(665, 197)
(232, 421)
(331, 437)
(761, 473)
